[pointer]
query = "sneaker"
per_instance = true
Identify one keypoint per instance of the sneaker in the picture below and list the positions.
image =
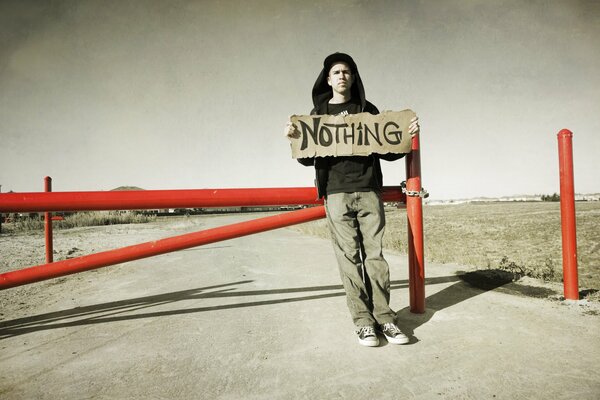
(393, 334)
(367, 336)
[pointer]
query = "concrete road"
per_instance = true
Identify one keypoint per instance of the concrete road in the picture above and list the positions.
(264, 317)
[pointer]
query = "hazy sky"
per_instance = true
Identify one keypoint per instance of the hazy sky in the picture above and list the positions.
(195, 94)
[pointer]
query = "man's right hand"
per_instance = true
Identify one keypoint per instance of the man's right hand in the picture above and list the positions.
(291, 131)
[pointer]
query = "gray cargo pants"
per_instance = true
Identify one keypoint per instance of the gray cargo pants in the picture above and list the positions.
(357, 224)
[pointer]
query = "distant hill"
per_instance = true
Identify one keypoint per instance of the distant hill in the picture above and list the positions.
(127, 188)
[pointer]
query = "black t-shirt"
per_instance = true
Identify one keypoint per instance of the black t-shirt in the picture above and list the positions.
(349, 174)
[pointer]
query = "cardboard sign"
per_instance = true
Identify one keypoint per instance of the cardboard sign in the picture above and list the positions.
(352, 134)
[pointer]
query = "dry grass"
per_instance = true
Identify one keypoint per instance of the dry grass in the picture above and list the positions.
(523, 238)
(87, 218)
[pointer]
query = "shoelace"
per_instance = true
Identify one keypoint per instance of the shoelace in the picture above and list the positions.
(366, 331)
(391, 328)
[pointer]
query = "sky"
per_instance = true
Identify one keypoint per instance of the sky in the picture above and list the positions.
(195, 94)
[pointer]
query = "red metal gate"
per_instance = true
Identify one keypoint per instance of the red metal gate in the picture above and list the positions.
(49, 201)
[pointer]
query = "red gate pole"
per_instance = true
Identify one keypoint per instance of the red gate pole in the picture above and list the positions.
(48, 224)
(157, 199)
(414, 214)
(567, 214)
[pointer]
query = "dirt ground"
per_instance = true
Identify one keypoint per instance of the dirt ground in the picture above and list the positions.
(264, 317)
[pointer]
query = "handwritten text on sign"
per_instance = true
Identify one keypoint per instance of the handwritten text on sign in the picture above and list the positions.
(353, 134)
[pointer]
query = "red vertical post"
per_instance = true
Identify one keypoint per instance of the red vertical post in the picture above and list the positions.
(567, 214)
(48, 224)
(414, 214)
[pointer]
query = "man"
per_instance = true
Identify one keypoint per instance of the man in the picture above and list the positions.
(352, 188)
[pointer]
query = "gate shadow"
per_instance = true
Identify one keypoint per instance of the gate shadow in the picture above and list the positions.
(128, 309)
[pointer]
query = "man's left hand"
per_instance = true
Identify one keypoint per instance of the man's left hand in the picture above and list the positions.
(414, 128)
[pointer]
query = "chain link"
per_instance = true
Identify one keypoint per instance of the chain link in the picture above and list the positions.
(413, 193)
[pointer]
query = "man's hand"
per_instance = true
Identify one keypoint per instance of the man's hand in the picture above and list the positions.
(291, 131)
(414, 127)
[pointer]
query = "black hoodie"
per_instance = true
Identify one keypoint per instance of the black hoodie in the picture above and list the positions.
(321, 94)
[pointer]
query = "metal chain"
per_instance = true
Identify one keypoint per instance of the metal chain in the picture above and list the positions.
(413, 193)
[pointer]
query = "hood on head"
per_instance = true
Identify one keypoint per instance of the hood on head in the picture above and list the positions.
(322, 92)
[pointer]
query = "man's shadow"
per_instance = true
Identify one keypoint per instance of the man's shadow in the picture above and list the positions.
(447, 297)
(467, 285)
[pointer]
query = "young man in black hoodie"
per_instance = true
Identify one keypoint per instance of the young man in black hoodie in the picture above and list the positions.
(352, 188)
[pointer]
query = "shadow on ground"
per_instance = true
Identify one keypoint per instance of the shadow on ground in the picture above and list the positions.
(505, 282)
(129, 309)
(466, 285)
(470, 284)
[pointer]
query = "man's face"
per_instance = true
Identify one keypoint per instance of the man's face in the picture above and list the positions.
(340, 78)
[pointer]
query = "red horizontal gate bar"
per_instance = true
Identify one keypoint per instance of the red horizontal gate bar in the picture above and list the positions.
(160, 199)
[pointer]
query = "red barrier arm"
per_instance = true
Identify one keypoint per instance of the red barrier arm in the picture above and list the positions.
(157, 199)
(148, 249)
